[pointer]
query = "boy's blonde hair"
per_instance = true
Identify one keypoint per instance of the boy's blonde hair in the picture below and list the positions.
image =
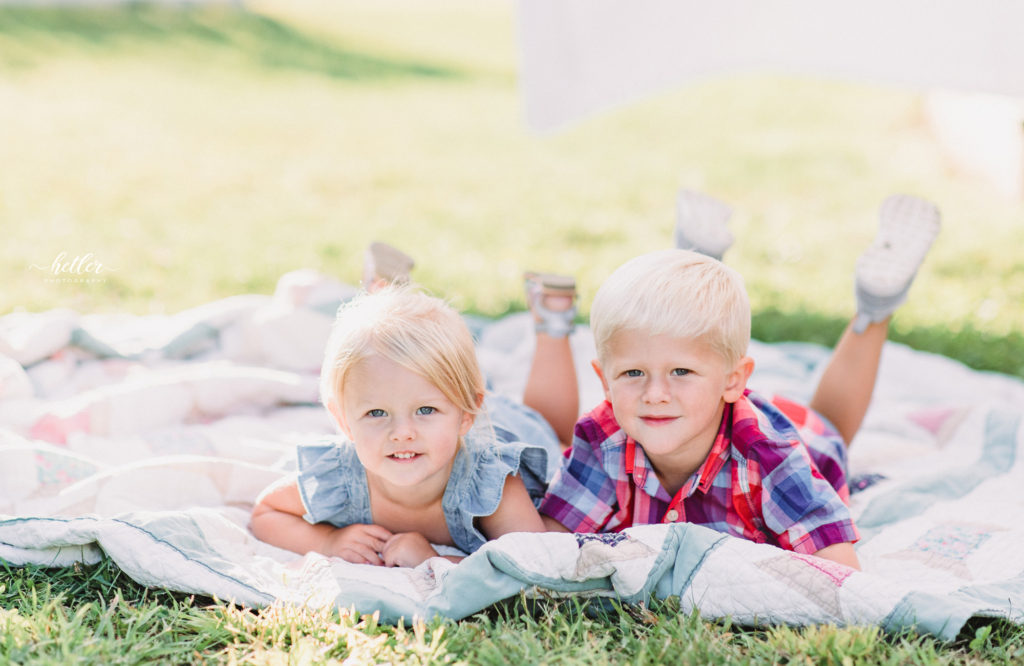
(678, 293)
(419, 332)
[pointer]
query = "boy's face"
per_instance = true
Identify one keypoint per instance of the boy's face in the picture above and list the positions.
(669, 393)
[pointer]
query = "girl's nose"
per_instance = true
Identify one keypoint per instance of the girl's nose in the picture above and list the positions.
(402, 430)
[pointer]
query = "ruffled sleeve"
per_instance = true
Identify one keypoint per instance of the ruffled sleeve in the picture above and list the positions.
(332, 484)
(478, 479)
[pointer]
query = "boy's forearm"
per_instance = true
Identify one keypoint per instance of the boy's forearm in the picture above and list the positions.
(843, 553)
(552, 525)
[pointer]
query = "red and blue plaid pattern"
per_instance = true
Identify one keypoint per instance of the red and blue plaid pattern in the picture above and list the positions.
(775, 474)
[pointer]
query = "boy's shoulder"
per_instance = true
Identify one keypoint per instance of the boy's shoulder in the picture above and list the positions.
(759, 426)
(757, 417)
(599, 428)
(598, 444)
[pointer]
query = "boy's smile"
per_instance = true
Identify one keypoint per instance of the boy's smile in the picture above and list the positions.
(668, 394)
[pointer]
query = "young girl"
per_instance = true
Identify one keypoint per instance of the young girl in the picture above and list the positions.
(401, 380)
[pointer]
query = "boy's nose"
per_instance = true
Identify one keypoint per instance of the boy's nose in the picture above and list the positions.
(655, 391)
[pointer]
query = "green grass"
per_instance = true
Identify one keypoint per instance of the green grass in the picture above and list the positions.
(95, 615)
(202, 152)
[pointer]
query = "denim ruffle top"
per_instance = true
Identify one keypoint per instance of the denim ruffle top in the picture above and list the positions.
(332, 483)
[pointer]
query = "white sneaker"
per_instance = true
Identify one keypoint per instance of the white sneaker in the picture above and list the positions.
(701, 224)
(907, 228)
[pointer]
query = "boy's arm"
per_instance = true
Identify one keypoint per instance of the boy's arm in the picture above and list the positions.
(278, 520)
(582, 496)
(843, 553)
(798, 506)
(553, 525)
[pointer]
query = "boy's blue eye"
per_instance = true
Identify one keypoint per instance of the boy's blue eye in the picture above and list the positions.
(633, 373)
(376, 413)
(423, 411)
(680, 372)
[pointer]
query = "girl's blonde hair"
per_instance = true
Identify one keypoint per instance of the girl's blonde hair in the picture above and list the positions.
(406, 326)
(678, 293)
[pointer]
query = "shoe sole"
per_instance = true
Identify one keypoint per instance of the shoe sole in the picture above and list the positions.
(907, 228)
(552, 284)
(389, 262)
(701, 223)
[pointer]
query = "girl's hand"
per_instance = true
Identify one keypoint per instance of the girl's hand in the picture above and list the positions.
(407, 549)
(358, 543)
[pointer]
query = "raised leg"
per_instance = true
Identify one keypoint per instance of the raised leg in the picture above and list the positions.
(844, 391)
(551, 385)
(907, 228)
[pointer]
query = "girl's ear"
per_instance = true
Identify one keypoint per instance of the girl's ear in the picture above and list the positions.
(596, 365)
(468, 419)
(339, 416)
(467, 422)
(736, 380)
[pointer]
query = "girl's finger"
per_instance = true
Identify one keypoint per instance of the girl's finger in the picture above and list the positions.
(358, 553)
(378, 532)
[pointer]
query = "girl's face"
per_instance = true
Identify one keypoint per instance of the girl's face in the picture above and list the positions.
(405, 430)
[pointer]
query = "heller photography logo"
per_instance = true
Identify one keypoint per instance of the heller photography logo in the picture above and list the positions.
(82, 268)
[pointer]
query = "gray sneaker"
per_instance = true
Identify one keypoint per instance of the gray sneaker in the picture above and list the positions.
(557, 323)
(385, 264)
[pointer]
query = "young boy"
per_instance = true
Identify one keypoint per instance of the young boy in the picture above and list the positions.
(681, 438)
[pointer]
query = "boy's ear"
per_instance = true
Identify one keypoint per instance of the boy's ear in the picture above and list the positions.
(736, 381)
(596, 365)
(338, 414)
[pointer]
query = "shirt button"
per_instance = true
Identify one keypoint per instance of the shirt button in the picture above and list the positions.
(672, 516)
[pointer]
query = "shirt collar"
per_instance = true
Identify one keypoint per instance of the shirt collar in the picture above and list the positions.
(717, 456)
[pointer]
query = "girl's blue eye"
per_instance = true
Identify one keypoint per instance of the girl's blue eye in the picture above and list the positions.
(423, 411)
(633, 373)
(376, 413)
(680, 372)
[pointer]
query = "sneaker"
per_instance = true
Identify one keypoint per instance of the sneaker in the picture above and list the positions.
(552, 301)
(701, 224)
(384, 264)
(907, 228)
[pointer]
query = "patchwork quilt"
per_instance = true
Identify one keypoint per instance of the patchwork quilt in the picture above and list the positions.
(146, 439)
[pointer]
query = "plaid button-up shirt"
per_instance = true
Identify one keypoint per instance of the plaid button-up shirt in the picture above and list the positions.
(769, 478)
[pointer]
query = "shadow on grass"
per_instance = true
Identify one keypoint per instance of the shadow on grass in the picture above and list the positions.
(256, 39)
(80, 583)
(977, 349)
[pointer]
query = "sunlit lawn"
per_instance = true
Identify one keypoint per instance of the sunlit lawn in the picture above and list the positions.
(210, 153)
(202, 153)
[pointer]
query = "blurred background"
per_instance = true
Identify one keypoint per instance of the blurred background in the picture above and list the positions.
(157, 157)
